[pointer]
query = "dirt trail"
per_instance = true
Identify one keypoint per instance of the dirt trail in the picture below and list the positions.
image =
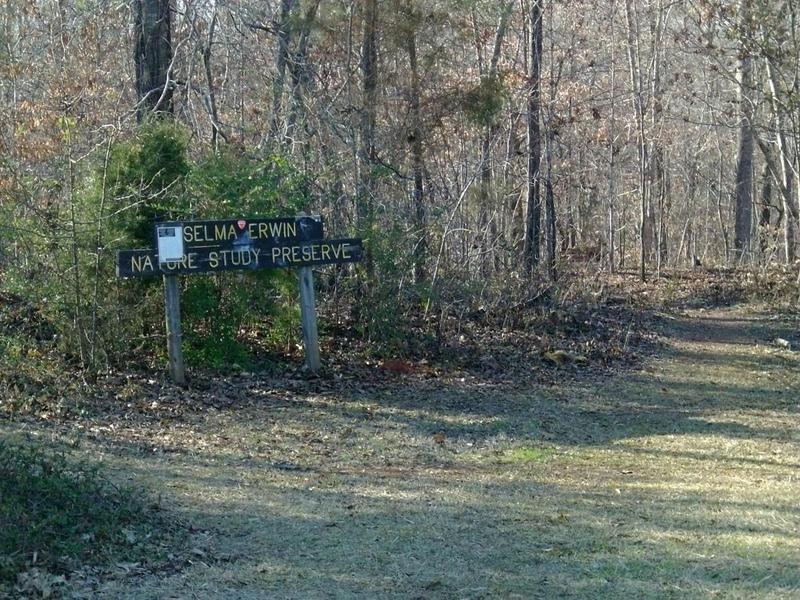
(680, 479)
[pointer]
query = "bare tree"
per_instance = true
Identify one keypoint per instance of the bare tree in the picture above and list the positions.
(153, 56)
(743, 202)
(414, 137)
(637, 85)
(533, 201)
(369, 75)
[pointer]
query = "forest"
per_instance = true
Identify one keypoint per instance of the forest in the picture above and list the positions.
(566, 244)
(476, 146)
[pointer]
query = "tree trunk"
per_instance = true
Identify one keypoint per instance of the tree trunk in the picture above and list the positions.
(369, 75)
(534, 209)
(743, 203)
(213, 113)
(153, 57)
(765, 214)
(657, 173)
(549, 208)
(281, 60)
(638, 105)
(610, 227)
(487, 223)
(550, 140)
(785, 176)
(299, 68)
(415, 141)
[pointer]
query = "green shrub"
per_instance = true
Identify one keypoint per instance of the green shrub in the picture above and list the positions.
(57, 514)
(219, 309)
(65, 250)
(146, 177)
(484, 103)
(389, 299)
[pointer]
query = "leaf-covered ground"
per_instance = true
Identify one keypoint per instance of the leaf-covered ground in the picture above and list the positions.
(677, 477)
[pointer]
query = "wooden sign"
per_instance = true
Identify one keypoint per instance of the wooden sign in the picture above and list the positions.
(195, 247)
(251, 257)
(230, 233)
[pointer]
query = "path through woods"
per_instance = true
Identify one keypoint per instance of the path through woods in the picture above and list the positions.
(680, 478)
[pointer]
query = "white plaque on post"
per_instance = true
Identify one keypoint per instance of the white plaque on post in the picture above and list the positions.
(170, 242)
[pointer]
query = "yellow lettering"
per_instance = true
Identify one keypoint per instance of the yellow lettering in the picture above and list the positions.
(213, 260)
(262, 230)
(219, 233)
(280, 229)
(174, 265)
(231, 233)
(141, 263)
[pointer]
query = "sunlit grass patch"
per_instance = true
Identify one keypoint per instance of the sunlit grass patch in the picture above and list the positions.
(526, 454)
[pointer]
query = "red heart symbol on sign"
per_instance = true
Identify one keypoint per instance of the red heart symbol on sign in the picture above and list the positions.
(241, 223)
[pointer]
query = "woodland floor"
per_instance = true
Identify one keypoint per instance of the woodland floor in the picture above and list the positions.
(677, 478)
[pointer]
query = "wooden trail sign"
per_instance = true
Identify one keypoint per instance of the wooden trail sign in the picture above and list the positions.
(144, 262)
(231, 233)
(196, 247)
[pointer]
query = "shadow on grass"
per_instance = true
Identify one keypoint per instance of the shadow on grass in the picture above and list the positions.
(704, 381)
(367, 505)
(441, 536)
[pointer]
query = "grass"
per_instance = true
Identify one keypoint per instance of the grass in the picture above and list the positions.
(677, 480)
(58, 514)
(526, 455)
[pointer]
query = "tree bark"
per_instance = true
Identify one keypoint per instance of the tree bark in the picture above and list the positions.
(301, 74)
(533, 202)
(486, 221)
(281, 60)
(369, 75)
(550, 140)
(415, 142)
(638, 105)
(743, 199)
(153, 57)
(612, 174)
(785, 176)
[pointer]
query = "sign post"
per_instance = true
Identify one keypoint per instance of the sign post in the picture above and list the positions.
(170, 248)
(308, 316)
(172, 310)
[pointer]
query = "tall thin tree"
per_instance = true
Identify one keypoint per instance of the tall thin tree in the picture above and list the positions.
(743, 192)
(153, 56)
(533, 201)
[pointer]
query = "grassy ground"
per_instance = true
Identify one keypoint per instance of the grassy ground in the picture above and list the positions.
(676, 480)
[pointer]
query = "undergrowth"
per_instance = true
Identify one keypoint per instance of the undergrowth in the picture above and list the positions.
(58, 514)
